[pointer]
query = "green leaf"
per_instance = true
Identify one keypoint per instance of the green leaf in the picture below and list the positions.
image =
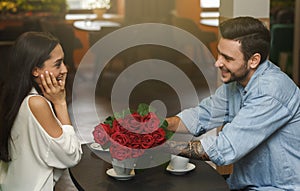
(169, 133)
(118, 115)
(144, 109)
(109, 120)
(122, 114)
(164, 124)
(126, 112)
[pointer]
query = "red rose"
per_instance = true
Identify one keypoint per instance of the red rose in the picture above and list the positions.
(120, 138)
(106, 128)
(147, 141)
(100, 135)
(132, 123)
(135, 140)
(119, 152)
(117, 127)
(137, 117)
(150, 123)
(159, 136)
(129, 136)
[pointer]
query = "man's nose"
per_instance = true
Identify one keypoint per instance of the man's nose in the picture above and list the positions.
(219, 62)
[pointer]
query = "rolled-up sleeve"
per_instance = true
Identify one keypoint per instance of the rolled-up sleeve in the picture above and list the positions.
(209, 114)
(254, 123)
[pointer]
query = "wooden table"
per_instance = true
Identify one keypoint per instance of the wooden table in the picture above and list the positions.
(91, 175)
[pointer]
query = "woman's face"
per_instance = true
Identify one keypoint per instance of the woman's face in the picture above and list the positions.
(53, 65)
(231, 62)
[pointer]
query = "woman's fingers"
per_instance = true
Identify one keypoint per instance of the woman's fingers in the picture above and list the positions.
(62, 82)
(53, 79)
(44, 84)
(50, 85)
(48, 82)
(52, 88)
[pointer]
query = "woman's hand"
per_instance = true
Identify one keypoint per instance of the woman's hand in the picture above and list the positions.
(55, 92)
(52, 89)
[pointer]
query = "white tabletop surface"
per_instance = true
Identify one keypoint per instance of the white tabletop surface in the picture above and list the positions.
(90, 25)
(83, 16)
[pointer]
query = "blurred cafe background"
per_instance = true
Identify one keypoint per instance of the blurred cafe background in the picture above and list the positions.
(199, 17)
(79, 24)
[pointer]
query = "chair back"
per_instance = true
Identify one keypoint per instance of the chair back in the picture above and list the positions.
(282, 36)
(282, 42)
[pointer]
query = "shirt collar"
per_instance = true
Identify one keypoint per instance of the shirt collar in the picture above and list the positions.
(261, 68)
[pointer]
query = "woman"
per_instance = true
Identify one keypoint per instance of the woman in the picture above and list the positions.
(37, 140)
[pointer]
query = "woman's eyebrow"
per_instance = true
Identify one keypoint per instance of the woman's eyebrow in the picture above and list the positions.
(59, 60)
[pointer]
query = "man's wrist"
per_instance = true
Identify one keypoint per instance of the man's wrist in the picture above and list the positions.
(173, 123)
(194, 149)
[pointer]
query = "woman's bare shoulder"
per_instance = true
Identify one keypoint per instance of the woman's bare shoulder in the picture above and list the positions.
(37, 103)
(41, 110)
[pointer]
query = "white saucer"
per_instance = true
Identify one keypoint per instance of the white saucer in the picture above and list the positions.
(189, 167)
(98, 147)
(111, 172)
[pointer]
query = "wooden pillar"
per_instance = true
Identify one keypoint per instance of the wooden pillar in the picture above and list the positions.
(188, 9)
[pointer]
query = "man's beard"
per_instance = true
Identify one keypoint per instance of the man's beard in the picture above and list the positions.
(238, 78)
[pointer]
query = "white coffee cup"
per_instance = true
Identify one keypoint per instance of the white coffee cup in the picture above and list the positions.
(178, 162)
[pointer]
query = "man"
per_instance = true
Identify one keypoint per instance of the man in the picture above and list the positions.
(259, 109)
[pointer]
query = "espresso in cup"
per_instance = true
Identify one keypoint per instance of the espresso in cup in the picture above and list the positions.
(178, 162)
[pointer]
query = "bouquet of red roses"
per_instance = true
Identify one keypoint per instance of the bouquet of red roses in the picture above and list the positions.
(129, 133)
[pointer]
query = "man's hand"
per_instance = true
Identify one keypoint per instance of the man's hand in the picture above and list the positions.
(194, 150)
(190, 149)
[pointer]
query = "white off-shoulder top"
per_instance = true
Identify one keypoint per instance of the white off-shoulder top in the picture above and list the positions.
(38, 159)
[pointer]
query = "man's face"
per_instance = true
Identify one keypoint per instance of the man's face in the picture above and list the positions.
(231, 62)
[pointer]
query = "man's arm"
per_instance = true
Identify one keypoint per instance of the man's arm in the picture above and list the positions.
(191, 149)
(175, 124)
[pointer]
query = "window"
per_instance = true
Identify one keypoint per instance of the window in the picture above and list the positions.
(210, 4)
(209, 12)
(210, 8)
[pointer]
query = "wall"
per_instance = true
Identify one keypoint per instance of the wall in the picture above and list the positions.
(233, 8)
(191, 9)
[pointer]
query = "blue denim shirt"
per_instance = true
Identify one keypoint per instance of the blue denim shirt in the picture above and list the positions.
(261, 133)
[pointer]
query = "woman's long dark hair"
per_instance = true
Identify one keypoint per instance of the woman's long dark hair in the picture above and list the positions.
(30, 50)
